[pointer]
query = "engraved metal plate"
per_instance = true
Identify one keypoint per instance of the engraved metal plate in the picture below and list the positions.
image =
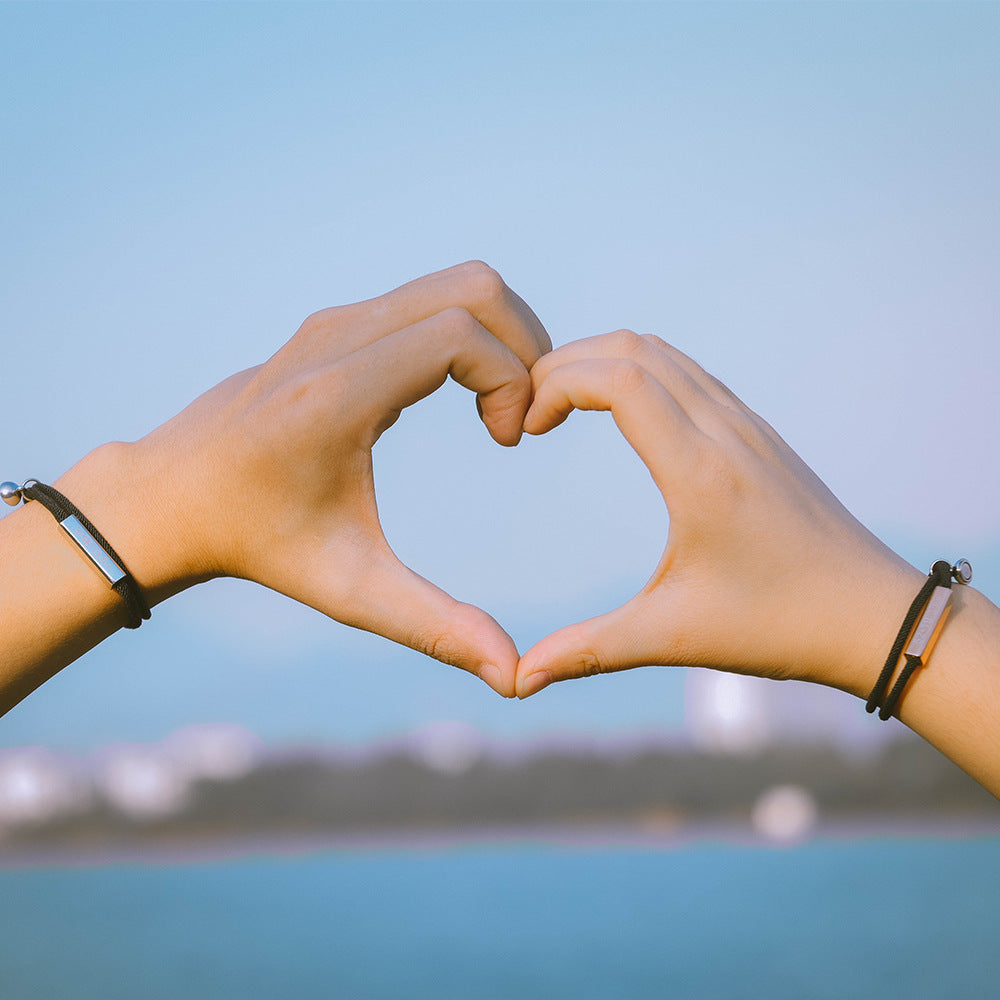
(932, 615)
(92, 550)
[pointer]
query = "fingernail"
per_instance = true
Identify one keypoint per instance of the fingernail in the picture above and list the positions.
(534, 683)
(479, 407)
(492, 676)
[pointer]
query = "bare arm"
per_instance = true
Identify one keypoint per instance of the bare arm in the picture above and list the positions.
(268, 477)
(765, 572)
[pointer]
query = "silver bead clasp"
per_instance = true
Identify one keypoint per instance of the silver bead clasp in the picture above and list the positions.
(10, 493)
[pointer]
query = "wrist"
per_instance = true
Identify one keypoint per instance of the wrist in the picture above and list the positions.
(122, 492)
(875, 603)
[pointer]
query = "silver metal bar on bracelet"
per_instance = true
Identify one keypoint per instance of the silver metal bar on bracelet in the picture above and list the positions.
(929, 621)
(88, 545)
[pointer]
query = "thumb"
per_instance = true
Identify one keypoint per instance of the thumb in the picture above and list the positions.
(608, 643)
(392, 600)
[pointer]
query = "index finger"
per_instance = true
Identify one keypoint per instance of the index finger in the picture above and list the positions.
(376, 384)
(473, 286)
(652, 420)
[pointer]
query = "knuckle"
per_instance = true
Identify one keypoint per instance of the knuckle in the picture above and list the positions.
(456, 322)
(652, 340)
(483, 282)
(626, 343)
(441, 640)
(628, 377)
(516, 381)
(512, 398)
(317, 322)
(436, 644)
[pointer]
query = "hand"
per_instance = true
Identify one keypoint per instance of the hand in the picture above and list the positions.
(764, 571)
(268, 476)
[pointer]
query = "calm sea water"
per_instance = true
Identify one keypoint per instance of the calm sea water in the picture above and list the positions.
(879, 918)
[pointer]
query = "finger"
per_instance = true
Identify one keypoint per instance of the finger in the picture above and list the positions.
(748, 425)
(653, 422)
(400, 369)
(473, 286)
(608, 643)
(651, 353)
(711, 404)
(478, 289)
(708, 383)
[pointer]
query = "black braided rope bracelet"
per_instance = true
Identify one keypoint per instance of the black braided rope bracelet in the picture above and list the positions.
(918, 627)
(89, 540)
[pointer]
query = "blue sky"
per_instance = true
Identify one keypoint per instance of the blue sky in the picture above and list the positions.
(803, 197)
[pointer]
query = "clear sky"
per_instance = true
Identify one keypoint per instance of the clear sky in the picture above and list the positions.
(803, 197)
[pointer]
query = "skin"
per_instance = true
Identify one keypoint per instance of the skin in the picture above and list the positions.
(276, 469)
(764, 572)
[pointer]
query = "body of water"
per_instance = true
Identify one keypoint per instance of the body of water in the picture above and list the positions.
(873, 918)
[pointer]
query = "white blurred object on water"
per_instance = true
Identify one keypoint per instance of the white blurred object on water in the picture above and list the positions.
(786, 813)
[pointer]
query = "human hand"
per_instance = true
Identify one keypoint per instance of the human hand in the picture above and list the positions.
(268, 476)
(764, 572)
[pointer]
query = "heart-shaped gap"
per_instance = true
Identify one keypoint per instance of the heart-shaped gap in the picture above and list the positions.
(560, 528)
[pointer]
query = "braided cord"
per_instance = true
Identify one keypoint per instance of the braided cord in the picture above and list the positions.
(61, 507)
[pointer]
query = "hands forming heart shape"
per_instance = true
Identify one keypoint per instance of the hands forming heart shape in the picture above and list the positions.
(279, 489)
(268, 477)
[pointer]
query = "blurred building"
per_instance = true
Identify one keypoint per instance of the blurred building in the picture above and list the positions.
(38, 786)
(732, 713)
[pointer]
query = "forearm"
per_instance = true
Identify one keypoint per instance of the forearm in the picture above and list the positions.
(54, 605)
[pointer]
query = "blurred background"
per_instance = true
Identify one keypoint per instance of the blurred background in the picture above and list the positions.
(246, 798)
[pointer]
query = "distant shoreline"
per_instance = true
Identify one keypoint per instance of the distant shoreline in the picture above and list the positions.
(572, 837)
